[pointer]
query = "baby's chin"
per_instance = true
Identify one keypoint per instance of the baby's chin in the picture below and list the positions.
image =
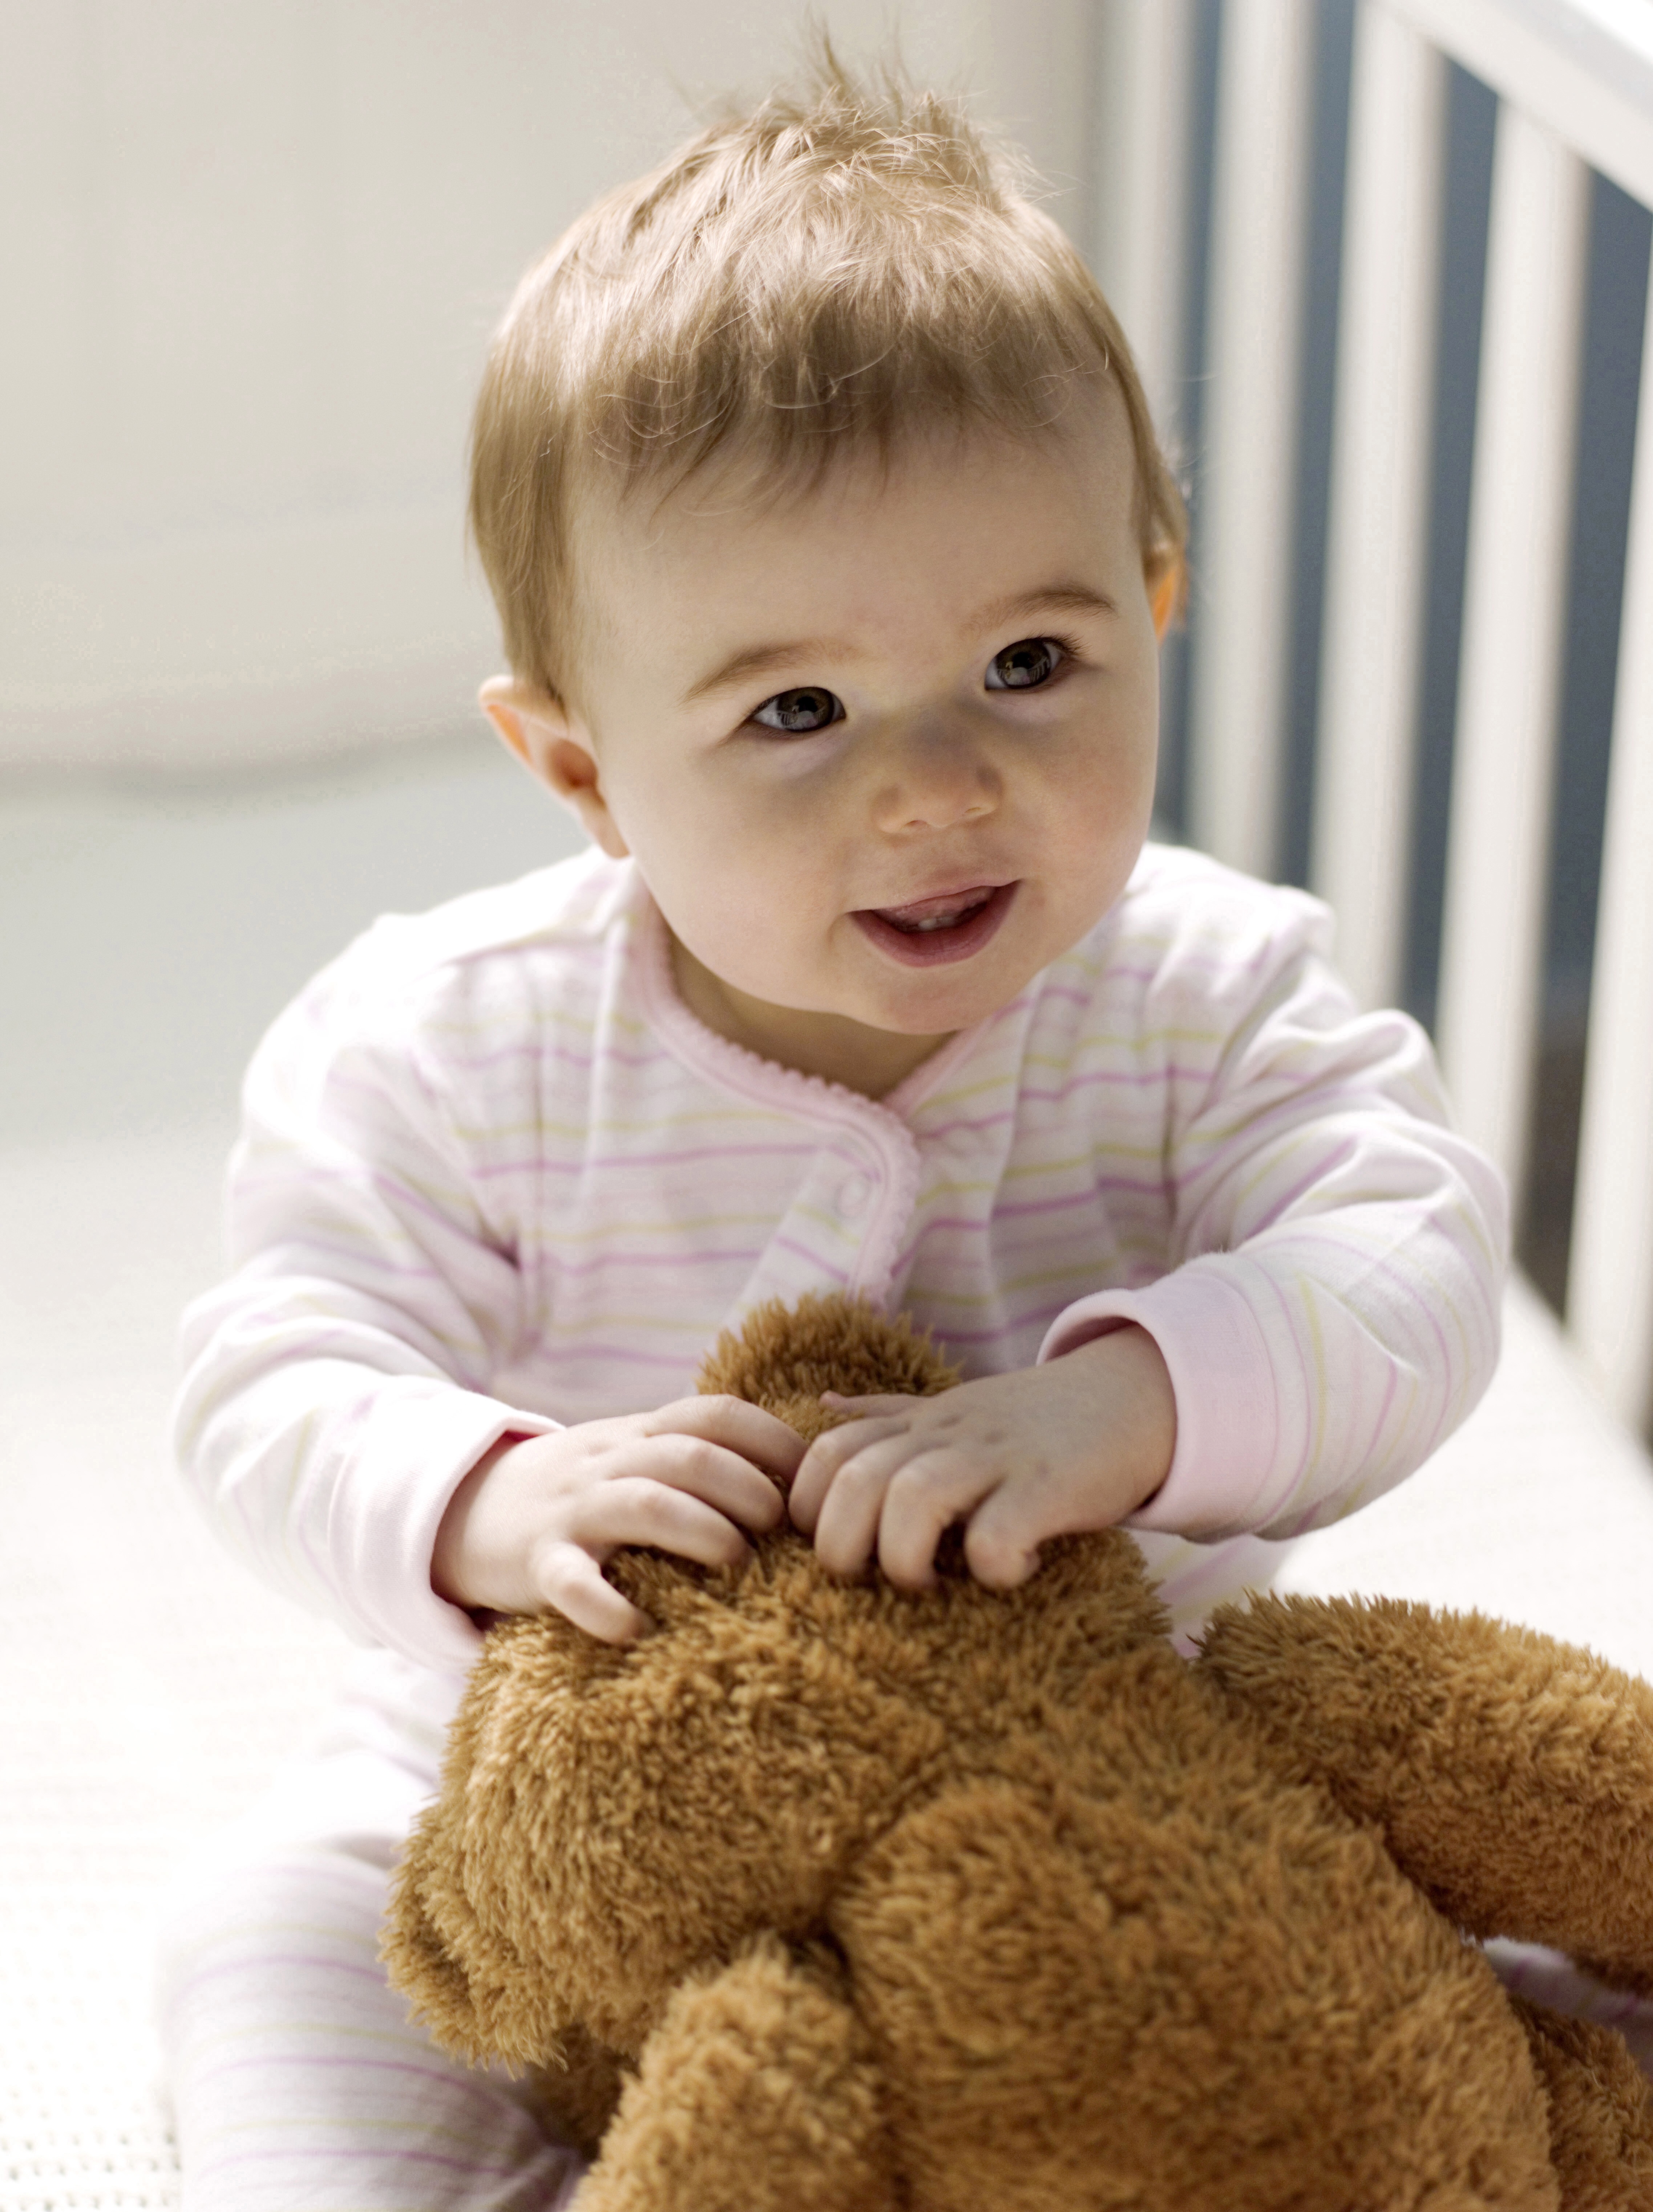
(933, 1002)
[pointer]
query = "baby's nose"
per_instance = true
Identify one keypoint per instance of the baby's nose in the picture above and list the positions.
(934, 777)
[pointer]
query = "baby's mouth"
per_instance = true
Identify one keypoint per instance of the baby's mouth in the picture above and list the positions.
(943, 912)
(935, 932)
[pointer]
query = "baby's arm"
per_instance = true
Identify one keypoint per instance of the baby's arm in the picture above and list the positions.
(1075, 1444)
(1328, 1309)
(1330, 1312)
(338, 1399)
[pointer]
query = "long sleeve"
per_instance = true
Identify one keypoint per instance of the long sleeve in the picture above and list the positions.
(1331, 1312)
(336, 1385)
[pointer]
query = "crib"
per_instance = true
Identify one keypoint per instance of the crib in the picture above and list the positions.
(1385, 262)
(1386, 266)
(1376, 694)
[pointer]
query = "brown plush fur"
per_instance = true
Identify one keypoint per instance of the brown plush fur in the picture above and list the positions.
(826, 1898)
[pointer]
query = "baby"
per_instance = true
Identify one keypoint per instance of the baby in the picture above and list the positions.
(832, 547)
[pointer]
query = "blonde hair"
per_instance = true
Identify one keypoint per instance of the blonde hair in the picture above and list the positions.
(841, 267)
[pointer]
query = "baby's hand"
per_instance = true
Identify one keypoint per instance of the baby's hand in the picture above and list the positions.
(1047, 1451)
(529, 1528)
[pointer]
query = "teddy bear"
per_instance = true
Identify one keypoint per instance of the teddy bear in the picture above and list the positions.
(828, 1897)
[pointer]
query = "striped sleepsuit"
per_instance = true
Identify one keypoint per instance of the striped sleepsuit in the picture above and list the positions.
(494, 1176)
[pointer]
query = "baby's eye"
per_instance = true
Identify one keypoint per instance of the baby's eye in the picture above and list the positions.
(800, 712)
(1025, 665)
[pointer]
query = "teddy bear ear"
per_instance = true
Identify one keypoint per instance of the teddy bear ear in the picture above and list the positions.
(785, 1356)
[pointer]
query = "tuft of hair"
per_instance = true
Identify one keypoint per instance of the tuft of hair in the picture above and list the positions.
(845, 265)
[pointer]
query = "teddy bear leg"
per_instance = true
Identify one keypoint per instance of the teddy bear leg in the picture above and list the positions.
(1601, 2111)
(755, 2093)
(1512, 1776)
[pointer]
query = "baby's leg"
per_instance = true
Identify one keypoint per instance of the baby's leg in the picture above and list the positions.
(297, 2084)
(1548, 1978)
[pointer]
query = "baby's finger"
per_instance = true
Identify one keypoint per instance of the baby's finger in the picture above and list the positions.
(1001, 1543)
(846, 1526)
(924, 1496)
(572, 1583)
(899, 1401)
(743, 1428)
(720, 1478)
(638, 1510)
(821, 1463)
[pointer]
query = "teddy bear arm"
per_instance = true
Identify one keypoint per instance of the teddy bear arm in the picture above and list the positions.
(756, 2093)
(1512, 1776)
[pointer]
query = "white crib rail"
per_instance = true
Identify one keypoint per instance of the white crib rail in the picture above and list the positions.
(1375, 581)
(1515, 604)
(1611, 1279)
(1574, 82)
(1581, 68)
(1257, 222)
(1141, 174)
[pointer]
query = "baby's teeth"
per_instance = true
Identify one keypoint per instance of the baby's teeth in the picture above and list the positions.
(947, 920)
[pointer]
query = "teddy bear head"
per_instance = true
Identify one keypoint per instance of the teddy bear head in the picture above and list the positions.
(613, 1816)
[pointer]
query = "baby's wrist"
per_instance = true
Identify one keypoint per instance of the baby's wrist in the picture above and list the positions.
(462, 1571)
(1139, 1403)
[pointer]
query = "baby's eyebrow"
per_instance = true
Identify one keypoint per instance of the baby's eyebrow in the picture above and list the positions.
(1062, 599)
(761, 659)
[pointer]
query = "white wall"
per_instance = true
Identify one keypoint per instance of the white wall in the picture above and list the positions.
(251, 252)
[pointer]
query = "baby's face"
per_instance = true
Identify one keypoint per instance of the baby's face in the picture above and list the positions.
(881, 748)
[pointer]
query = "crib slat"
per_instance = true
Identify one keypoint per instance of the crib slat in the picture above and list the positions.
(1376, 579)
(1610, 1283)
(1140, 212)
(1582, 67)
(1243, 609)
(1514, 602)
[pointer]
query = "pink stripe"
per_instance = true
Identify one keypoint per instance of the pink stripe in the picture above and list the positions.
(1284, 1120)
(1029, 1209)
(1070, 991)
(1115, 1078)
(813, 1259)
(564, 1055)
(1446, 1363)
(1040, 1317)
(613, 1356)
(542, 1163)
(1107, 1186)
(746, 1256)
(369, 1260)
(1292, 1313)
(1322, 1169)
(395, 1196)
(1114, 971)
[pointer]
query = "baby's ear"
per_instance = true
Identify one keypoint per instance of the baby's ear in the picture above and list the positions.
(556, 749)
(1166, 575)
